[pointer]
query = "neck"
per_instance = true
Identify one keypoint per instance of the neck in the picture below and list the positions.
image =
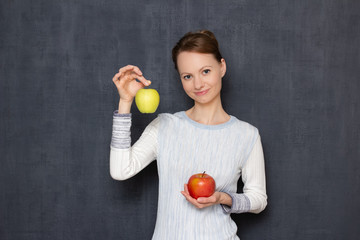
(209, 114)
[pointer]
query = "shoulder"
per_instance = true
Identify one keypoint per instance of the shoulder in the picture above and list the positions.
(245, 127)
(171, 121)
(164, 117)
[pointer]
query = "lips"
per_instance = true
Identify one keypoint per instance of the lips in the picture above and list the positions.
(201, 93)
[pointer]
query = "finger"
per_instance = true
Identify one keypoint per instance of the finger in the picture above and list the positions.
(188, 196)
(126, 71)
(131, 77)
(116, 77)
(204, 200)
(129, 71)
(185, 192)
(124, 78)
(144, 80)
(131, 68)
(120, 76)
(186, 189)
(126, 68)
(190, 199)
(137, 70)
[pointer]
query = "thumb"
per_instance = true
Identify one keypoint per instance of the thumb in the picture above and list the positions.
(203, 200)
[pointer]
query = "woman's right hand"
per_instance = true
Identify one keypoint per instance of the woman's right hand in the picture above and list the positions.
(126, 84)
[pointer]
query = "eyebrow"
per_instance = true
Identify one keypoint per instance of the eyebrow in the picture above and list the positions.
(206, 66)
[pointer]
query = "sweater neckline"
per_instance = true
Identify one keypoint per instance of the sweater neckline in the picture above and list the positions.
(205, 126)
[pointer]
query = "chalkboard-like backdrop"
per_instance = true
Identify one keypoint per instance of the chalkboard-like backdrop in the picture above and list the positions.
(293, 71)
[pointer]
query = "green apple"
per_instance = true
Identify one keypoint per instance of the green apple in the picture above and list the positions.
(147, 100)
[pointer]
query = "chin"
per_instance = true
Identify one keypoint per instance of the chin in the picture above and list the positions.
(202, 101)
(205, 99)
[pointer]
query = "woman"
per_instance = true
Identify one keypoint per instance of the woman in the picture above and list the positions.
(203, 138)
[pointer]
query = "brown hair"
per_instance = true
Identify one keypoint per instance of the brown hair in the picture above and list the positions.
(202, 41)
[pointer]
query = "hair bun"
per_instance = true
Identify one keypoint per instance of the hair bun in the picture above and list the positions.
(207, 33)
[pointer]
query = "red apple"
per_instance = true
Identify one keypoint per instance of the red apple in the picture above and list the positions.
(201, 185)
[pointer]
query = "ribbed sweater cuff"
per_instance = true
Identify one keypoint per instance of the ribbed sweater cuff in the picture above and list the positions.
(240, 203)
(121, 137)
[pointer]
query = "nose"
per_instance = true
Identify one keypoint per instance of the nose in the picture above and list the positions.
(198, 83)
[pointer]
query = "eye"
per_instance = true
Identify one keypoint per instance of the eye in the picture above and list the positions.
(186, 77)
(206, 71)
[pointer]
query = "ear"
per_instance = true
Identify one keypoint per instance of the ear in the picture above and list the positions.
(223, 67)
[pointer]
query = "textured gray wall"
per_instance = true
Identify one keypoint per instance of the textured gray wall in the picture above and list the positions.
(293, 71)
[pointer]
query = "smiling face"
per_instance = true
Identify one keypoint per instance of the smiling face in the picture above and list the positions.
(201, 76)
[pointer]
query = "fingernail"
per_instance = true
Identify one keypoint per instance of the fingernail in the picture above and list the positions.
(148, 82)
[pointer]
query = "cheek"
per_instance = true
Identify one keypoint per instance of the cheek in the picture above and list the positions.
(217, 81)
(186, 86)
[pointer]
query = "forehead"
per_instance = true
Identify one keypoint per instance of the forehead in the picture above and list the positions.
(193, 61)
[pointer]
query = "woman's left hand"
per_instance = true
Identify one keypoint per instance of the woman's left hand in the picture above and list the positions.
(202, 202)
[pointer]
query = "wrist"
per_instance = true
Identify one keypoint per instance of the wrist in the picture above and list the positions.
(225, 199)
(124, 106)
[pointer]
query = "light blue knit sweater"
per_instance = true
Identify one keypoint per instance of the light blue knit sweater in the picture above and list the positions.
(183, 147)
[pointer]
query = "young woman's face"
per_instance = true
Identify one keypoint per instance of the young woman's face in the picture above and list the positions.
(201, 75)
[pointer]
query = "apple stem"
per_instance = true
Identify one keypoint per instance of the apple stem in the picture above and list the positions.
(203, 174)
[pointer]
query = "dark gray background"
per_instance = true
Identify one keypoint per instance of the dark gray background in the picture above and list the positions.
(293, 72)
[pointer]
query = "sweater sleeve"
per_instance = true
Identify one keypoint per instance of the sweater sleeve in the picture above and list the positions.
(254, 198)
(127, 160)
